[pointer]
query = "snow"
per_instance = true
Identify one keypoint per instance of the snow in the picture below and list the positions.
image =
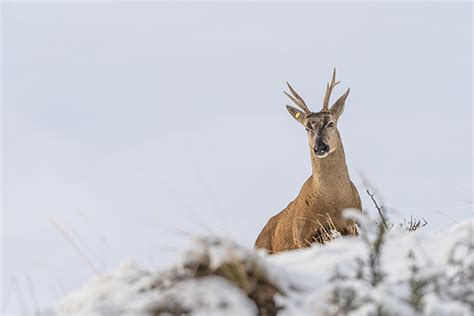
(311, 281)
(129, 290)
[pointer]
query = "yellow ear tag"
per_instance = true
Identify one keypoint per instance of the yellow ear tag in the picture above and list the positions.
(297, 115)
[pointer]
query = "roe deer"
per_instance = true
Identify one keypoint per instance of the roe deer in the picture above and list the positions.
(327, 192)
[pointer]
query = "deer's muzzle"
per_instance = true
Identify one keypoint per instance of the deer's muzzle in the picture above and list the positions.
(321, 150)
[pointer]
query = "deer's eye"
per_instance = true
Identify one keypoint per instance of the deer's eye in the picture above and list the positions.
(331, 124)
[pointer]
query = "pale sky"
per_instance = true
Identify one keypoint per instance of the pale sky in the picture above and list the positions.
(134, 125)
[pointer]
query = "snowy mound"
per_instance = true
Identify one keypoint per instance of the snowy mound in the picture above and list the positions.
(391, 273)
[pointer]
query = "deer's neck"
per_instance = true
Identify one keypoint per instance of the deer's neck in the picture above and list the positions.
(330, 174)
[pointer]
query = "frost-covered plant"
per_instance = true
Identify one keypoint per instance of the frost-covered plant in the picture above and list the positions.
(418, 285)
(355, 292)
(373, 235)
(427, 290)
(366, 290)
(457, 284)
(346, 295)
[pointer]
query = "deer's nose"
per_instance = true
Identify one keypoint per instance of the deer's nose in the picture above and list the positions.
(322, 149)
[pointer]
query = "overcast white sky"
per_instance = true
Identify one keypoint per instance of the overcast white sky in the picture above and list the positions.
(130, 125)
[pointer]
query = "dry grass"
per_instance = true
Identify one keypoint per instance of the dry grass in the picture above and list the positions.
(244, 270)
(327, 231)
(248, 276)
(413, 224)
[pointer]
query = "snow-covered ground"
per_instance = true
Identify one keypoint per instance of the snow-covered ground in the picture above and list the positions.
(415, 273)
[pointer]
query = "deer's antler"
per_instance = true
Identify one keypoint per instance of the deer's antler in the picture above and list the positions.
(295, 97)
(329, 88)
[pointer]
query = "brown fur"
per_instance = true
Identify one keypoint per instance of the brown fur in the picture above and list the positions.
(327, 192)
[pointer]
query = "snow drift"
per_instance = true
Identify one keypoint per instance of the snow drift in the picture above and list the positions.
(395, 273)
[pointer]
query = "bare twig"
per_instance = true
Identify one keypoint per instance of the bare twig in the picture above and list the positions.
(379, 208)
(413, 224)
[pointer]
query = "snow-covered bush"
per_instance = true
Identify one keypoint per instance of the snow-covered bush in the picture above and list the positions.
(381, 272)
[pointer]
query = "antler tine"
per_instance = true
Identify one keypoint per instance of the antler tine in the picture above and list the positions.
(329, 88)
(297, 99)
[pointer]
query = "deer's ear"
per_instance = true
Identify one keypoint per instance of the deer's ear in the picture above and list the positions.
(297, 114)
(338, 106)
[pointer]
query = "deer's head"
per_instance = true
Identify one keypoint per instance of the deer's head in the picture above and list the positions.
(323, 136)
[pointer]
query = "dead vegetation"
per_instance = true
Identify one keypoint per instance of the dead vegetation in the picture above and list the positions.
(242, 270)
(414, 224)
(246, 275)
(327, 231)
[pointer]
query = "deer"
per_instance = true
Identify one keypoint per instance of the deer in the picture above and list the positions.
(327, 192)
